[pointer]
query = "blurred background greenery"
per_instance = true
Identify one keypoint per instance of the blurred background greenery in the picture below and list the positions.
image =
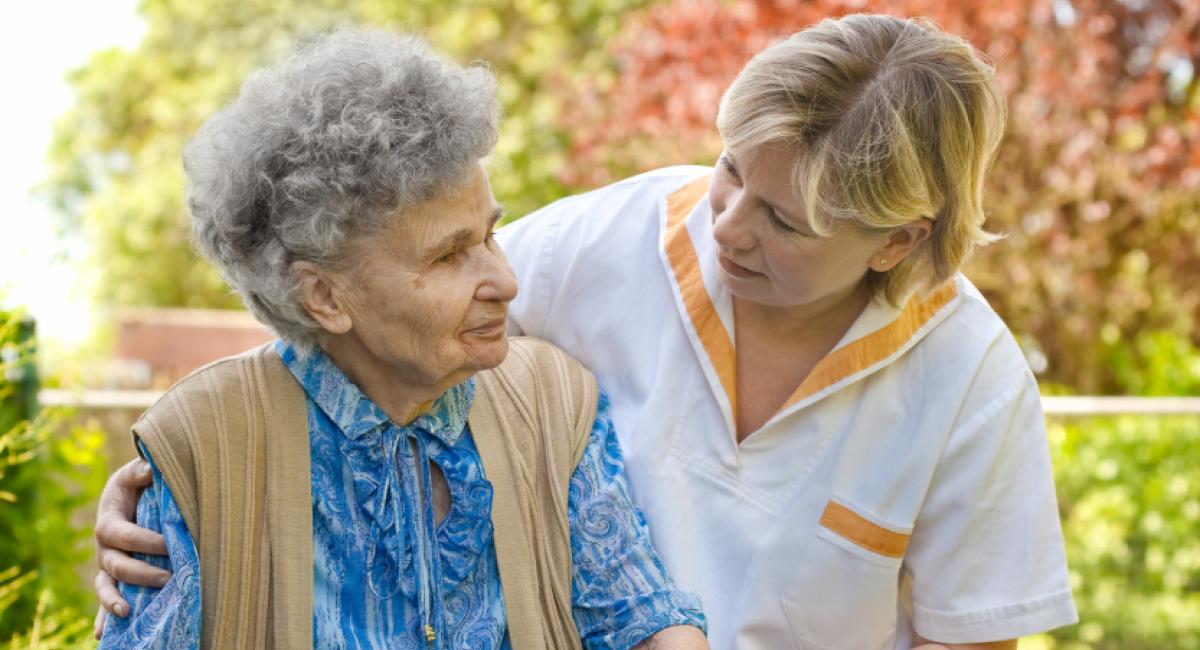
(1097, 187)
(51, 469)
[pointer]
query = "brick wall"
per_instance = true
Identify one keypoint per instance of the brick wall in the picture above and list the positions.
(157, 347)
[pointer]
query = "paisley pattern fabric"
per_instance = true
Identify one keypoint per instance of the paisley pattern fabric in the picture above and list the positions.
(382, 571)
(168, 617)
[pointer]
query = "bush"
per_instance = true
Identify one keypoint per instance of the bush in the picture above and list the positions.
(1129, 490)
(50, 476)
(1129, 493)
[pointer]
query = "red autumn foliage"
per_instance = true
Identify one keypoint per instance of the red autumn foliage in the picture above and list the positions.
(1097, 183)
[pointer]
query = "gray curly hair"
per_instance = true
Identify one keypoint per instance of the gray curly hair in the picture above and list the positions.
(323, 148)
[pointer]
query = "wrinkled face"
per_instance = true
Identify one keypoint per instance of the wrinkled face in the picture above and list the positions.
(767, 253)
(429, 298)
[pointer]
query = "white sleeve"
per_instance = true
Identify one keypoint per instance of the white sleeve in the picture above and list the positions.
(986, 558)
(575, 246)
(529, 244)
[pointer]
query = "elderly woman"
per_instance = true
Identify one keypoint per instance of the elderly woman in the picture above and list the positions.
(356, 484)
(838, 443)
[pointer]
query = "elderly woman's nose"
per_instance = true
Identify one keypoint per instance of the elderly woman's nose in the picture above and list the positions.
(499, 282)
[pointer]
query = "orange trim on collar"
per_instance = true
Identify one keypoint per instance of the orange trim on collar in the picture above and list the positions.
(874, 347)
(681, 254)
(866, 534)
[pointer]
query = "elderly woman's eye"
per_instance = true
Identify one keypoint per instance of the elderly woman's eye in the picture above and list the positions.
(447, 257)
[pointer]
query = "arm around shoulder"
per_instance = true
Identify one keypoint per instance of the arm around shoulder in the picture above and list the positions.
(166, 616)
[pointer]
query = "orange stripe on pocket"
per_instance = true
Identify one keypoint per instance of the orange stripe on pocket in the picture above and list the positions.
(867, 534)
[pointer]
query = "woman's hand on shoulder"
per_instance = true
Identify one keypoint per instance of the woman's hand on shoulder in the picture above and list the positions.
(117, 536)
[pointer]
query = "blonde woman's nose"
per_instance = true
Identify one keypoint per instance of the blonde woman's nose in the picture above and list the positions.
(731, 229)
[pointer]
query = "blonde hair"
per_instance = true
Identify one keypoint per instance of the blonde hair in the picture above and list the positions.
(894, 120)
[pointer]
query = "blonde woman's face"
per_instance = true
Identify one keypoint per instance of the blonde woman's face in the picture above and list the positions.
(767, 252)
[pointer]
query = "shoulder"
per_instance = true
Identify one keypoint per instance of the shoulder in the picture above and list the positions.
(580, 253)
(619, 204)
(225, 375)
(204, 398)
(542, 385)
(536, 365)
(652, 185)
(582, 231)
(973, 350)
(974, 334)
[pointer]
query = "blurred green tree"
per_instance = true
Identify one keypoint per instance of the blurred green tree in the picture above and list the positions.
(51, 471)
(1097, 184)
(116, 176)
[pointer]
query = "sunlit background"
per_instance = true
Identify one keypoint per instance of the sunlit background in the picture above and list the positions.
(1097, 187)
(41, 42)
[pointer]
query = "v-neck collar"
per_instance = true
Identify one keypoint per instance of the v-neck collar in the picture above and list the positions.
(880, 335)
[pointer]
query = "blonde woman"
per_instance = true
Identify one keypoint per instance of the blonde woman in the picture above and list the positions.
(837, 443)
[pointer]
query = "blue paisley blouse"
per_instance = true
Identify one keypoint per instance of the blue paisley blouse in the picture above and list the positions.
(384, 575)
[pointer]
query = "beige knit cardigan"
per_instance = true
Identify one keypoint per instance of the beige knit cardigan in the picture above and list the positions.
(232, 442)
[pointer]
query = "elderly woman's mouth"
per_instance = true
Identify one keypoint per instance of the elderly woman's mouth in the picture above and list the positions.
(490, 330)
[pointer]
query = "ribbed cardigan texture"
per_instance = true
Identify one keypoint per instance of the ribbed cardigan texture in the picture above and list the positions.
(232, 443)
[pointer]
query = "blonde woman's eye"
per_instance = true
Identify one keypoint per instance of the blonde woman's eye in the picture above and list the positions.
(727, 166)
(780, 224)
(784, 227)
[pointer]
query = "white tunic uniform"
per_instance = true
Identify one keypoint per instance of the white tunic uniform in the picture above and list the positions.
(906, 484)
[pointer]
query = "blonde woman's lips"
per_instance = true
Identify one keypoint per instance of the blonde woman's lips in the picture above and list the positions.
(735, 269)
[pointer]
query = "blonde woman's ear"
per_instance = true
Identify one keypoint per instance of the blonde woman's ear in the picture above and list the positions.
(901, 242)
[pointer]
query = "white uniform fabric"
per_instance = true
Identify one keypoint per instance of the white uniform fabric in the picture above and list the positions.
(906, 484)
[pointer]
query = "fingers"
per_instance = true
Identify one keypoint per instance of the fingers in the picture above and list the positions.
(123, 488)
(117, 536)
(126, 569)
(110, 600)
(116, 533)
(135, 474)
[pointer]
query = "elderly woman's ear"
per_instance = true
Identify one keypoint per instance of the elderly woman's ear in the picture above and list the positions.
(323, 298)
(900, 243)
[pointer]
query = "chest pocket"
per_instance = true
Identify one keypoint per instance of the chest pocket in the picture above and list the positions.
(847, 589)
